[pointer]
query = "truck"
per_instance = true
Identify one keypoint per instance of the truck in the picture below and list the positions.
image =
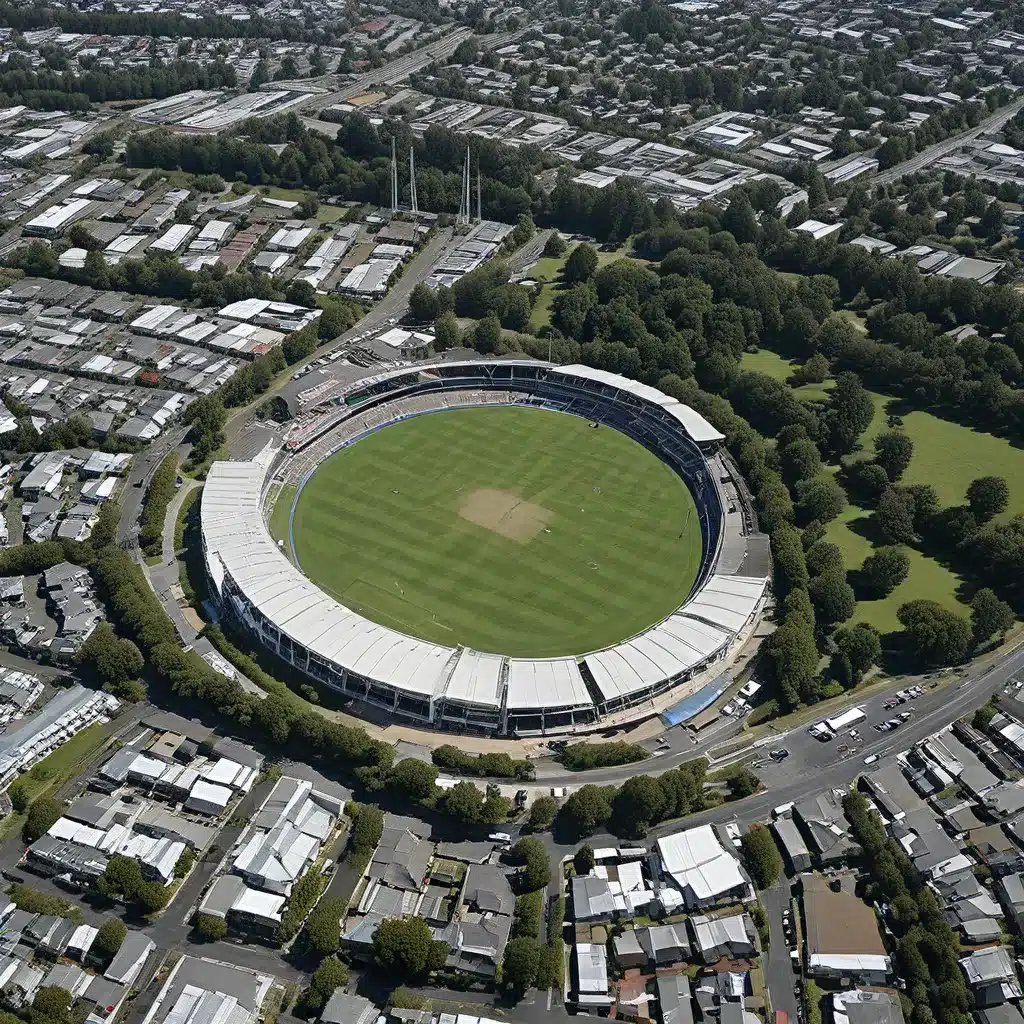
(846, 719)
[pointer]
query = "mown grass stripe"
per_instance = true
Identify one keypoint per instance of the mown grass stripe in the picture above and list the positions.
(622, 551)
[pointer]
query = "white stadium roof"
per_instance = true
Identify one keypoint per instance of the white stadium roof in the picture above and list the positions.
(237, 542)
(555, 683)
(670, 649)
(692, 421)
(476, 679)
(234, 530)
(695, 425)
(727, 601)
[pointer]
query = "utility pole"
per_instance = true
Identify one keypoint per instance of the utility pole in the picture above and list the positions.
(478, 217)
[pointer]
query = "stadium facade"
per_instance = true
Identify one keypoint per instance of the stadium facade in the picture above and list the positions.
(257, 585)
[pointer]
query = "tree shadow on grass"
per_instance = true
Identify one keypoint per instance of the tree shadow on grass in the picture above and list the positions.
(866, 526)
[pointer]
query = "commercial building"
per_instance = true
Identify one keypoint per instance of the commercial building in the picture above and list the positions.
(67, 713)
(199, 990)
(57, 219)
(842, 935)
(702, 868)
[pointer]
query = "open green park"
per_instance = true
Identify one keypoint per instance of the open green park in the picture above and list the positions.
(947, 456)
(547, 272)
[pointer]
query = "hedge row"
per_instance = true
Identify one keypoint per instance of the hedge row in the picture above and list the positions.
(154, 506)
(581, 757)
(497, 766)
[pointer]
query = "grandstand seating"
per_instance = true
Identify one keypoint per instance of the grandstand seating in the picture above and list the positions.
(453, 687)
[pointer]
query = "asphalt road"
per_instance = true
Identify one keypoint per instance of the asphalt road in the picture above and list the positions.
(143, 467)
(920, 160)
(391, 73)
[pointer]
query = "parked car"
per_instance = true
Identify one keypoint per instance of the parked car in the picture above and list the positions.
(916, 691)
(883, 727)
(894, 723)
(779, 755)
(732, 830)
(888, 705)
(904, 716)
(871, 759)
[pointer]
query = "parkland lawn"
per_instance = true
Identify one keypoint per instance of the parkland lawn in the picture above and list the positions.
(946, 455)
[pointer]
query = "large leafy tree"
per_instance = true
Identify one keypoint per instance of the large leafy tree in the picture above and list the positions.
(935, 636)
(989, 615)
(406, 949)
(414, 778)
(42, 814)
(521, 964)
(893, 452)
(581, 264)
(885, 569)
(987, 497)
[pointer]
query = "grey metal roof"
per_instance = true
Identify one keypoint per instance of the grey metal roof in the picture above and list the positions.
(674, 997)
(488, 888)
(342, 1008)
(134, 950)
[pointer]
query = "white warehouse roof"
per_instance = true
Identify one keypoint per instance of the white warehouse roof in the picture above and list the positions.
(697, 861)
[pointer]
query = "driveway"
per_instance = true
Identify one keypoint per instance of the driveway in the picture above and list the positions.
(778, 969)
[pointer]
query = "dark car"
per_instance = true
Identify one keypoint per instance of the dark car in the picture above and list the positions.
(779, 755)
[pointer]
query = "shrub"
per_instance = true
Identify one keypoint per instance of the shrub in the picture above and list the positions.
(210, 927)
(527, 914)
(581, 757)
(498, 766)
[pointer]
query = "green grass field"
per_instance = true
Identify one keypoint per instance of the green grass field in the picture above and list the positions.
(778, 368)
(946, 455)
(949, 456)
(518, 531)
(926, 579)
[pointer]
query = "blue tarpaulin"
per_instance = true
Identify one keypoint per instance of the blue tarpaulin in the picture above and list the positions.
(696, 702)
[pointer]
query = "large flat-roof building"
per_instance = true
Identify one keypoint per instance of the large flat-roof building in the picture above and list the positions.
(702, 868)
(842, 935)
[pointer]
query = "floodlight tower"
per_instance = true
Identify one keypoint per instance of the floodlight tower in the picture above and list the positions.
(412, 182)
(394, 178)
